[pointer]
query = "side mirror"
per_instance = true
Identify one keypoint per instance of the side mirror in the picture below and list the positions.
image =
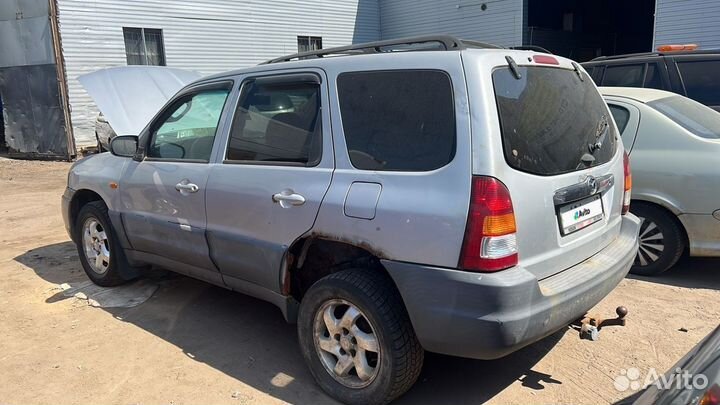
(124, 145)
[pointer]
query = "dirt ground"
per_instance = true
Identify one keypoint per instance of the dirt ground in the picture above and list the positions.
(196, 343)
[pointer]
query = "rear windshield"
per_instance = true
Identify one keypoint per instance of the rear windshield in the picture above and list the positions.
(691, 115)
(551, 121)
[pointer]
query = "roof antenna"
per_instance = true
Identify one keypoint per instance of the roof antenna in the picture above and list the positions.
(513, 67)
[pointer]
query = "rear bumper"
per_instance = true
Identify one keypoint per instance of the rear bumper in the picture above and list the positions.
(703, 233)
(490, 315)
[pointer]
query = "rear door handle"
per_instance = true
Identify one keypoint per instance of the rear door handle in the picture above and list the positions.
(183, 187)
(288, 198)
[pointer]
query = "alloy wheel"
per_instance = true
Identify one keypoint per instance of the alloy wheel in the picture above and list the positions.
(346, 343)
(96, 246)
(651, 243)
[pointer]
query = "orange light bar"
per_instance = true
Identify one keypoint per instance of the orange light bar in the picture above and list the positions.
(499, 225)
(675, 48)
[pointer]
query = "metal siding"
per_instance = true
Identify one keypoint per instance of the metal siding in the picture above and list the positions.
(688, 21)
(208, 36)
(501, 23)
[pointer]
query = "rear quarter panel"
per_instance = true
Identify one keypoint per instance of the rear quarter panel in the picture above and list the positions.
(420, 216)
(674, 168)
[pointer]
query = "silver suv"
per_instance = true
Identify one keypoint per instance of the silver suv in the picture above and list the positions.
(393, 197)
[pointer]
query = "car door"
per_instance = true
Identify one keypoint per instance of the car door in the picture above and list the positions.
(627, 118)
(163, 194)
(276, 169)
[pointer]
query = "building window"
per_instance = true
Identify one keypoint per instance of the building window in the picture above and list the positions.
(144, 46)
(308, 44)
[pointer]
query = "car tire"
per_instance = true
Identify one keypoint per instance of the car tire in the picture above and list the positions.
(365, 313)
(662, 241)
(101, 256)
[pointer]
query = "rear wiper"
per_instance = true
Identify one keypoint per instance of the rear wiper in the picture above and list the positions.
(588, 159)
(599, 139)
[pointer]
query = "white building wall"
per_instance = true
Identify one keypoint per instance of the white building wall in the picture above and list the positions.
(687, 22)
(208, 36)
(501, 23)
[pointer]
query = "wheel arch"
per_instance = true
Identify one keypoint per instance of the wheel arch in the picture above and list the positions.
(79, 199)
(315, 256)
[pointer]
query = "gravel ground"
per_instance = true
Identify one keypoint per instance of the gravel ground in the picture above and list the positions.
(196, 343)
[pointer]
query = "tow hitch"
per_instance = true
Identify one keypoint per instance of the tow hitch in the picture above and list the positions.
(590, 325)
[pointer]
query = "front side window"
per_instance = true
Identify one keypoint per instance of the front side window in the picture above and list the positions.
(144, 46)
(188, 132)
(691, 115)
(624, 76)
(277, 122)
(702, 80)
(400, 120)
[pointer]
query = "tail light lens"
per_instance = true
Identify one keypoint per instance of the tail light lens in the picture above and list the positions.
(490, 243)
(712, 396)
(628, 184)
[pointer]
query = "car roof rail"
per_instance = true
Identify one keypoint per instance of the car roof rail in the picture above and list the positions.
(627, 55)
(442, 42)
(656, 53)
(530, 48)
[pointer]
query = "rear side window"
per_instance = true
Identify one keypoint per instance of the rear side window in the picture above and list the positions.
(398, 120)
(702, 80)
(551, 121)
(624, 76)
(691, 115)
(652, 77)
(621, 115)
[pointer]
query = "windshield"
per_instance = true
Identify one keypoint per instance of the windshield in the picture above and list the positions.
(552, 122)
(691, 115)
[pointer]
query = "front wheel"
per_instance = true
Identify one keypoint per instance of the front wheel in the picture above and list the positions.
(100, 254)
(357, 339)
(661, 241)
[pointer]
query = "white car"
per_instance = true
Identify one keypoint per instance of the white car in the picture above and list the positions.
(674, 148)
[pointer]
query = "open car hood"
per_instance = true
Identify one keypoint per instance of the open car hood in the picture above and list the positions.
(129, 96)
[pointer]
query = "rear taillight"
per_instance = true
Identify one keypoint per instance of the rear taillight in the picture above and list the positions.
(628, 184)
(490, 243)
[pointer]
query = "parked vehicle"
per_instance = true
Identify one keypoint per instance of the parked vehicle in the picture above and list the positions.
(103, 133)
(390, 197)
(680, 69)
(674, 148)
(695, 379)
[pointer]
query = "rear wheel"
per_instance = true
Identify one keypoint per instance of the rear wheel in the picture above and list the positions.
(100, 254)
(661, 240)
(357, 338)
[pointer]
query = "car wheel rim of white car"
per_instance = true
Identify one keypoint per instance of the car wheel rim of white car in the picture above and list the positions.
(96, 246)
(651, 243)
(346, 343)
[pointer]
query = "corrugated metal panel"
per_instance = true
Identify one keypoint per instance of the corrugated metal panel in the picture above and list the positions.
(500, 23)
(688, 21)
(208, 36)
(25, 37)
